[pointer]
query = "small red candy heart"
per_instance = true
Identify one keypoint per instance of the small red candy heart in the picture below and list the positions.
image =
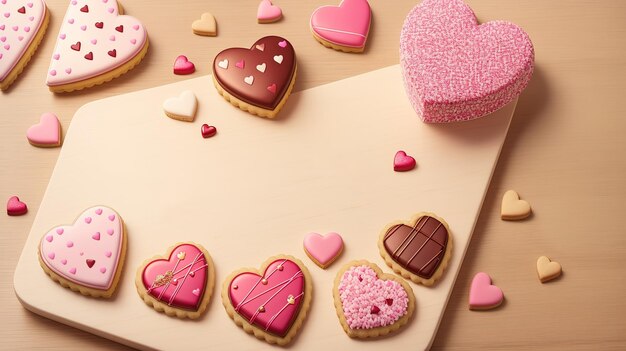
(15, 207)
(182, 65)
(208, 131)
(403, 162)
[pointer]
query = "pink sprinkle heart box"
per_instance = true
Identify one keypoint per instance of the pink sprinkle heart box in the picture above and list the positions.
(455, 69)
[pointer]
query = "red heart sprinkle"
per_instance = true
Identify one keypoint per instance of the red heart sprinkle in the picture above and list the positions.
(112, 53)
(120, 29)
(389, 302)
(208, 131)
(99, 25)
(272, 88)
(90, 262)
(89, 56)
(76, 47)
(84, 9)
(22, 10)
(15, 207)
(374, 310)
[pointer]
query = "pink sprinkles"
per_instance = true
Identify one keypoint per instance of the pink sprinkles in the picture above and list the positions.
(365, 299)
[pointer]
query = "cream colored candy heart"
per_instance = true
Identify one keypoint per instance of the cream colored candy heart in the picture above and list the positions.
(182, 107)
(206, 25)
(513, 208)
(261, 68)
(279, 59)
(547, 270)
(249, 80)
(223, 64)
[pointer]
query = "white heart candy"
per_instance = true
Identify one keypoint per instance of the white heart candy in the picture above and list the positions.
(223, 64)
(249, 80)
(182, 107)
(278, 58)
(261, 67)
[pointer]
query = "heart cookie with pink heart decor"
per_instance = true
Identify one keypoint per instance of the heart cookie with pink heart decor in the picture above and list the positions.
(88, 255)
(455, 69)
(23, 24)
(344, 27)
(370, 303)
(179, 283)
(271, 303)
(96, 43)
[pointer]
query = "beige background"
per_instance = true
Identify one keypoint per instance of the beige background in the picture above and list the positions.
(564, 153)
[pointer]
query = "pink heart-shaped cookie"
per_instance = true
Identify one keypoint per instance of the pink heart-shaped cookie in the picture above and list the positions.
(370, 303)
(323, 250)
(483, 295)
(455, 69)
(88, 255)
(273, 302)
(28, 20)
(180, 283)
(344, 27)
(268, 12)
(94, 41)
(47, 133)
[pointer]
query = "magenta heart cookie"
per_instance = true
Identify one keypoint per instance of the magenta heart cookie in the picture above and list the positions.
(88, 255)
(455, 69)
(344, 27)
(370, 303)
(23, 24)
(95, 44)
(180, 283)
(271, 303)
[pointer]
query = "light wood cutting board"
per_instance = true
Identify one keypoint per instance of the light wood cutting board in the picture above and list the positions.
(255, 190)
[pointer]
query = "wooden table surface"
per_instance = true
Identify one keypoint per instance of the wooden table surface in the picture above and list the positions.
(565, 154)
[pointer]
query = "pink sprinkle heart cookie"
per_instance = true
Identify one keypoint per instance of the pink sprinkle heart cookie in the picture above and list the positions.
(344, 27)
(323, 250)
(15, 207)
(369, 302)
(403, 162)
(96, 43)
(28, 21)
(179, 283)
(484, 295)
(268, 12)
(88, 255)
(455, 69)
(272, 302)
(182, 65)
(47, 133)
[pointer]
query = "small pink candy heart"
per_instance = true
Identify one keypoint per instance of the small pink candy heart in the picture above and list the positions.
(182, 65)
(47, 133)
(323, 249)
(403, 162)
(483, 295)
(268, 12)
(208, 131)
(96, 236)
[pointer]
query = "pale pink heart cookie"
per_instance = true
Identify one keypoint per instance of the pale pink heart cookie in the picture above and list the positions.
(455, 69)
(96, 43)
(268, 12)
(344, 27)
(323, 250)
(88, 255)
(484, 295)
(23, 24)
(370, 303)
(180, 283)
(272, 302)
(47, 133)
(15, 207)
(403, 162)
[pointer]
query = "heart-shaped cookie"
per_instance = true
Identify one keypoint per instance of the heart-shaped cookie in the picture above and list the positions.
(272, 302)
(88, 255)
(95, 44)
(47, 133)
(238, 77)
(370, 303)
(206, 25)
(455, 69)
(513, 208)
(344, 27)
(179, 283)
(483, 295)
(547, 270)
(323, 250)
(419, 249)
(23, 24)
(268, 12)
(182, 107)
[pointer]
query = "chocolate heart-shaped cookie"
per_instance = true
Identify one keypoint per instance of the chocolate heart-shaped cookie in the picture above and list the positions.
(258, 80)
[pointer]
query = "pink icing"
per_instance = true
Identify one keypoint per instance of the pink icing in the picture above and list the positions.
(323, 248)
(483, 294)
(68, 252)
(455, 69)
(187, 274)
(15, 48)
(47, 132)
(96, 41)
(369, 302)
(403, 162)
(268, 12)
(282, 282)
(347, 24)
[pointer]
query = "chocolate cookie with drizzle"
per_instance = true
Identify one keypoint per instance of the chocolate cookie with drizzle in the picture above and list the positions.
(418, 250)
